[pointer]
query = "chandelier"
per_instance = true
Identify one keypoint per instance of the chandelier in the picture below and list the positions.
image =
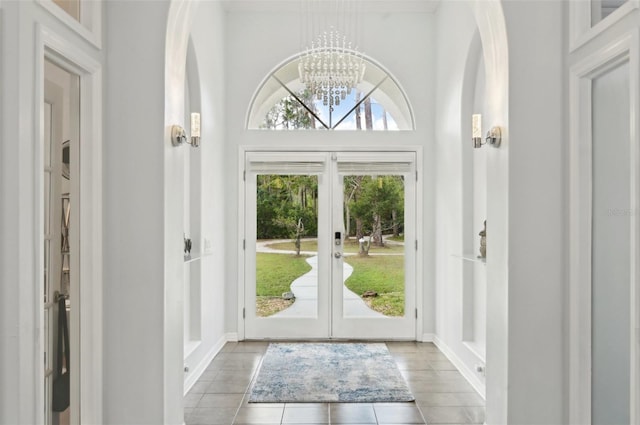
(330, 69)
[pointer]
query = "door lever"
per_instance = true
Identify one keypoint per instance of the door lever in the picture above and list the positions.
(337, 254)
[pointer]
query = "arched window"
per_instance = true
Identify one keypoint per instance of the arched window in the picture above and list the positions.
(283, 103)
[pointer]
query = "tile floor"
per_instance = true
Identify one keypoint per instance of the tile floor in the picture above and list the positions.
(442, 395)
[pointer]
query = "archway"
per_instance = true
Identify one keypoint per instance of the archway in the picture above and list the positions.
(492, 28)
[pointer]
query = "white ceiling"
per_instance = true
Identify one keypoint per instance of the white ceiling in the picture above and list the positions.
(380, 6)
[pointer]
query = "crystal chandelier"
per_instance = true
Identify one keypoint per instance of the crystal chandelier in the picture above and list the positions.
(330, 69)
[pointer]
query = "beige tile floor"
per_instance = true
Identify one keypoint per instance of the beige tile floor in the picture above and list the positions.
(442, 395)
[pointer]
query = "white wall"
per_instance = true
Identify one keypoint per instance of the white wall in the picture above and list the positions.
(134, 242)
(208, 39)
(537, 236)
(525, 238)
(142, 104)
(257, 41)
(456, 25)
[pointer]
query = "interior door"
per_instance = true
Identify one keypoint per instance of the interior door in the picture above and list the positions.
(325, 251)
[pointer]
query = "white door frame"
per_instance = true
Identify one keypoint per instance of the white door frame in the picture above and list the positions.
(86, 390)
(625, 49)
(419, 290)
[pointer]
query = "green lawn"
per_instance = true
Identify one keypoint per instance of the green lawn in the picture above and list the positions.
(276, 272)
(383, 274)
(351, 246)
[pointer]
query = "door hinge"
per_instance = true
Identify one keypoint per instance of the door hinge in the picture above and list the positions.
(243, 313)
(244, 244)
(416, 244)
(416, 175)
(244, 176)
(416, 313)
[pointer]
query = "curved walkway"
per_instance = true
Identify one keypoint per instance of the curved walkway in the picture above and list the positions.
(305, 289)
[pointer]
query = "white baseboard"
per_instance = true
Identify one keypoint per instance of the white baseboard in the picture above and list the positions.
(231, 336)
(427, 337)
(468, 374)
(199, 369)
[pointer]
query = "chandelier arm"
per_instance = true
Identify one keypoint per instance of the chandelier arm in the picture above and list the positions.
(301, 102)
(360, 102)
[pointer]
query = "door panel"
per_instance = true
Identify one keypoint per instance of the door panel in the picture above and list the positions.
(286, 194)
(374, 273)
(308, 263)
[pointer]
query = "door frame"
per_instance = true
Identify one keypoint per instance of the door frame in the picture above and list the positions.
(419, 199)
(624, 49)
(86, 389)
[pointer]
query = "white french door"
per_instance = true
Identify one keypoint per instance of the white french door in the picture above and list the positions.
(330, 245)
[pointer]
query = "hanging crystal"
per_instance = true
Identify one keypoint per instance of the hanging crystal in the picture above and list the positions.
(331, 69)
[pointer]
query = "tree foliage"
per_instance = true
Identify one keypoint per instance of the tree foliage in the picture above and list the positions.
(375, 204)
(291, 114)
(285, 202)
(287, 206)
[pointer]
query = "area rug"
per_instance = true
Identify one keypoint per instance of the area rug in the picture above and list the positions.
(329, 372)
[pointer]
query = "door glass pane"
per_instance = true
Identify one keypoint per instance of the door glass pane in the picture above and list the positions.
(611, 256)
(287, 246)
(373, 267)
(61, 236)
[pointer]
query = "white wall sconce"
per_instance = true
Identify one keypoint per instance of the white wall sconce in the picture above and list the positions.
(179, 136)
(493, 138)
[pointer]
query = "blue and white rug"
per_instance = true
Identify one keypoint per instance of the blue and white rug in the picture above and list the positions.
(329, 372)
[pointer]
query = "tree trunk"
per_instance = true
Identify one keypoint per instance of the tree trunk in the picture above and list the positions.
(347, 224)
(384, 120)
(377, 231)
(396, 227)
(359, 230)
(357, 111)
(368, 119)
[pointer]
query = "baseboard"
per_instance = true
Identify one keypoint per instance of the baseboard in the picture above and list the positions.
(468, 374)
(427, 337)
(199, 369)
(231, 336)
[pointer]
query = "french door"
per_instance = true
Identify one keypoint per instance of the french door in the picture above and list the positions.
(330, 245)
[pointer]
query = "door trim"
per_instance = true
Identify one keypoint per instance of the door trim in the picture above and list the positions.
(66, 54)
(623, 49)
(421, 237)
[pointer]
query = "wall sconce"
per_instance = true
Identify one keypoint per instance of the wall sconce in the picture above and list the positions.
(494, 136)
(179, 136)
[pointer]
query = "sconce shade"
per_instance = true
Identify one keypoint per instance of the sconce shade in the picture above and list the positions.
(476, 125)
(195, 124)
(476, 130)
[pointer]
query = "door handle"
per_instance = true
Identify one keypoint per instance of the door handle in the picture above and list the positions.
(337, 254)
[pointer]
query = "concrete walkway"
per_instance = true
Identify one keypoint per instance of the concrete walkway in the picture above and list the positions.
(305, 289)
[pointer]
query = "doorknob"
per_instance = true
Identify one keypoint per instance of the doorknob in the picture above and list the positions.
(337, 254)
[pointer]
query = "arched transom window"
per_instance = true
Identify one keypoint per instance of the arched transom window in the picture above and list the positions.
(282, 102)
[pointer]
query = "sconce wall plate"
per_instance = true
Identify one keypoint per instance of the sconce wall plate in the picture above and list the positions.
(178, 135)
(494, 137)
